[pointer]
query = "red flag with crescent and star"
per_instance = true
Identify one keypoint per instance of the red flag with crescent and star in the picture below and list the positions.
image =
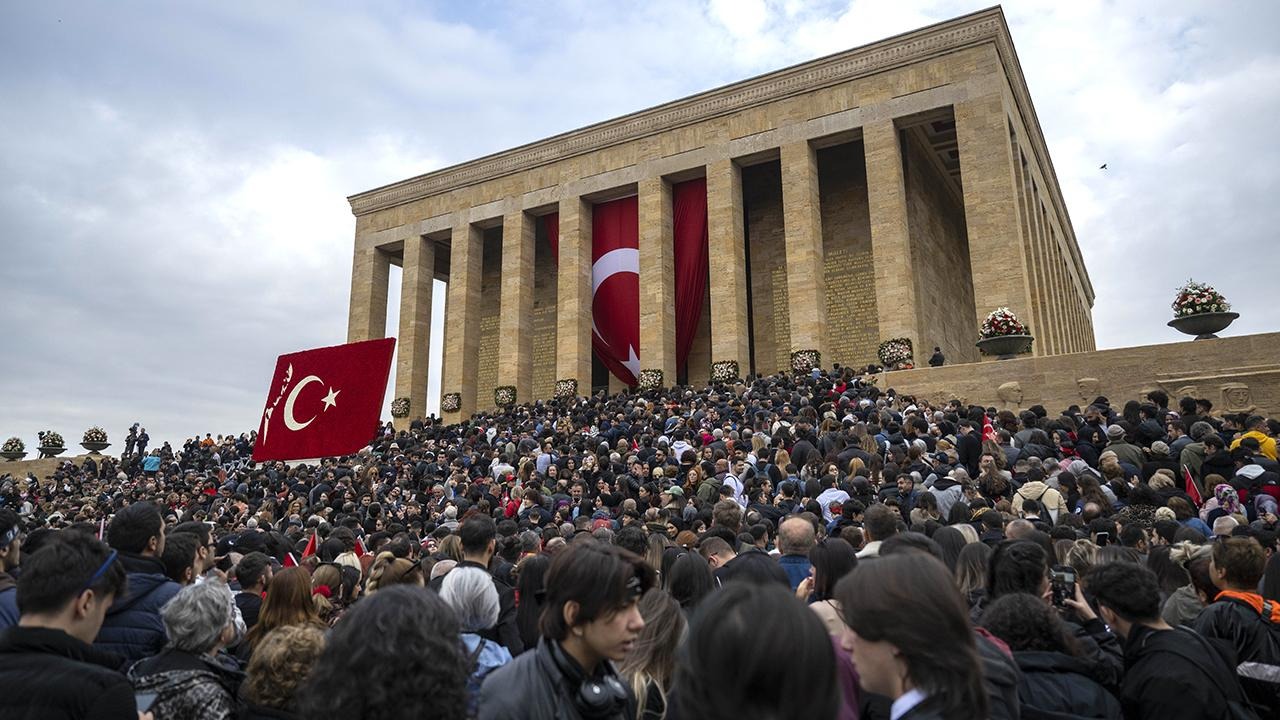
(615, 286)
(325, 401)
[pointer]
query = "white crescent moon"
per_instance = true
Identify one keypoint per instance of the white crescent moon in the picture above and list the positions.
(289, 420)
(620, 260)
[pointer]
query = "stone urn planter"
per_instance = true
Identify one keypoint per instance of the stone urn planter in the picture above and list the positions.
(1005, 347)
(95, 447)
(46, 451)
(12, 455)
(1203, 325)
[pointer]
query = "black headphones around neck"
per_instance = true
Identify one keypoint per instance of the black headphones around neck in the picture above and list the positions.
(599, 698)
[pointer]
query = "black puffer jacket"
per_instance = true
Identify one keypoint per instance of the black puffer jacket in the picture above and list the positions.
(1055, 685)
(46, 674)
(541, 684)
(133, 628)
(1256, 641)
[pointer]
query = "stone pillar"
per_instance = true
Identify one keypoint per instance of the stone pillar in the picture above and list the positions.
(726, 249)
(996, 252)
(898, 307)
(367, 317)
(515, 325)
(462, 319)
(657, 280)
(802, 227)
(573, 295)
(413, 349)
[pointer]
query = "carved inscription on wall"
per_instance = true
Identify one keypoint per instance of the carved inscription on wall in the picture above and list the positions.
(781, 330)
(851, 308)
(487, 372)
(544, 351)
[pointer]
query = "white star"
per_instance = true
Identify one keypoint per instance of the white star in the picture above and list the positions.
(331, 399)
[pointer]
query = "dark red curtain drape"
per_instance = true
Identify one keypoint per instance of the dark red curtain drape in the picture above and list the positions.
(615, 286)
(551, 224)
(689, 210)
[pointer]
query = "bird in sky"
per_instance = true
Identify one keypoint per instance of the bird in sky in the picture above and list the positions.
(1103, 166)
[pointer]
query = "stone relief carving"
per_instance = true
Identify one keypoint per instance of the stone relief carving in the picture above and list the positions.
(1010, 395)
(1185, 391)
(1087, 388)
(1237, 398)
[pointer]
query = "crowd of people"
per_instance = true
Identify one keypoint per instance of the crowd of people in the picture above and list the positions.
(793, 546)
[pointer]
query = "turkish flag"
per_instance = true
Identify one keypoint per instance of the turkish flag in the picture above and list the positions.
(325, 401)
(615, 286)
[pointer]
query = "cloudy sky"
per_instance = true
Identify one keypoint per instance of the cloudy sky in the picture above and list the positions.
(173, 175)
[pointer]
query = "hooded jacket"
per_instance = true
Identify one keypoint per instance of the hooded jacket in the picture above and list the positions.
(1050, 499)
(46, 674)
(133, 627)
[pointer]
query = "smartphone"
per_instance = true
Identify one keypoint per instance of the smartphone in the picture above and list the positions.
(1104, 539)
(144, 700)
(1062, 582)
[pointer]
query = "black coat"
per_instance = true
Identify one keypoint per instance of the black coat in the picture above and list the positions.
(1058, 685)
(1255, 640)
(46, 674)
(535, 686)
(1165, 677)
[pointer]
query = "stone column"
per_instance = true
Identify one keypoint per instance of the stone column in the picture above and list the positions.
(462, 319)
(657, 280)
(413, 349)
(996, 253)
(726, 249)
(802, 227)
(573, 295)
(898, 308)
(367, 316)
(515, 325)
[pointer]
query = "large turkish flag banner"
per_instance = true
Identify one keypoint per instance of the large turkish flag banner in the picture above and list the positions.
(615, 286)
(325, 401)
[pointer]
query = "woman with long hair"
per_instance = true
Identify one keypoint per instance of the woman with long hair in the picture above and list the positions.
(829, 561)
(729, 668)
(333, 588)
(971, 572)
(652, 661)
(396, 656)
(529, 597)
(910, 638)
(283, 660)
(288, 602)
(689, 580)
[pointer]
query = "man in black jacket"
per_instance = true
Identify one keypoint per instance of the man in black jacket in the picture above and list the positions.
(591, 620)
(1244, 619)
(969, 447)
(133, 627)
(48, 669)
(1169, 674)
(479, 534)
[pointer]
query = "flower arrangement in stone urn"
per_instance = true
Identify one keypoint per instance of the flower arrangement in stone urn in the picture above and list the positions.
(1200, 310)
(451, 402)
(400, 407)
(649, 379)
(13, 449)
(566, 388)
(1002, 334)
(896, 354)
(804, 361)
(504, 395)
(95, 440)
(725, 371)
(51, 443)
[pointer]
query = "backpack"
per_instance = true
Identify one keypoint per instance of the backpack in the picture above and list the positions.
(1240, 709)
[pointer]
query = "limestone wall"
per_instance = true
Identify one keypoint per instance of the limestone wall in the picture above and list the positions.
(1239, 374)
